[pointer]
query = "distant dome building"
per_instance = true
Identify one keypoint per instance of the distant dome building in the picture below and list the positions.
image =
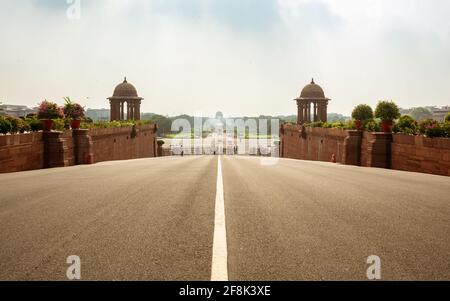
(312, 104)
(125, 93)
(219, 115)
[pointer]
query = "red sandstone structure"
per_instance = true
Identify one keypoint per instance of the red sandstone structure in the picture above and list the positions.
(30, 151)
(125, 93)
(351, 147)
(312, 98)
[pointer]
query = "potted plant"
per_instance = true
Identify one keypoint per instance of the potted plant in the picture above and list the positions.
(387, 111)
(74, 111)
(47, 112)
(361, 114)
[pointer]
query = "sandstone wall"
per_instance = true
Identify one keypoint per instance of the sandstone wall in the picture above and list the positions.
(59, 149)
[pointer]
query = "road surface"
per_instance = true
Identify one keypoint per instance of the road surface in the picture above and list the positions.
(154, 219)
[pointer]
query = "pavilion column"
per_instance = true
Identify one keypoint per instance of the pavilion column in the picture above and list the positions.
(315, 112)
(304, 113)
(138, 111)
(299, 112)
(131, 111)
(308, 112)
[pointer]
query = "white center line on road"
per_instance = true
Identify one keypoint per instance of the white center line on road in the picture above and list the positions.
(219, 271)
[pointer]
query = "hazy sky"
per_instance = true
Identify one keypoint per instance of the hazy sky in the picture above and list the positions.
(243, 57)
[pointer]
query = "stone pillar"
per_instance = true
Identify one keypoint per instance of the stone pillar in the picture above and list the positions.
(112, 109)
(122, 110)
(315, 112)
(301, 112)
(83, 147)
(304, 112)
(138, 110)
(55, 150)
(352, 148)
(376, 148)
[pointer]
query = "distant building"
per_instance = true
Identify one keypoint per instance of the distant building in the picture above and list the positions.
(16, 110)
(439, 113)
(125, 103)
(312, 104)
(436, 112)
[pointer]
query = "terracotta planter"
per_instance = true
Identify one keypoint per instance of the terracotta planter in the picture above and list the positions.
(358, 124)
(386, 126)
(75, 124)
(48, 125)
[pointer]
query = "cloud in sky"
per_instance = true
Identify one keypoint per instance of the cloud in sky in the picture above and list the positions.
(238, 56)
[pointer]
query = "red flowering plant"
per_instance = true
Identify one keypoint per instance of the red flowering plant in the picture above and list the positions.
(50, 110)
(73, 110)
(431, 128)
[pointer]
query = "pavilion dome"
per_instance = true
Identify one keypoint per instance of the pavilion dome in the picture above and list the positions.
(312, 91)
(125, 90)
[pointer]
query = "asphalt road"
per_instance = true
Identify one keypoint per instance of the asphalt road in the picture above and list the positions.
(153, 219)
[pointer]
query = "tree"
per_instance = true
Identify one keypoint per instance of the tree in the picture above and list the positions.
(420, 113)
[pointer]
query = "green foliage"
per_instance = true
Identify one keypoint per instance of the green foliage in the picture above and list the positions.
(112, 124)
(17, 125)
(387, 111)
(34, 123)
(347, 125)
(426, 124)
(318, 124)
(362, 112)
(431, 128)
(327, 125)
(5, 125)
(447, 117)
(406, 125)
(58, 124)
(160, 142)
(420, 114)
(372, 125)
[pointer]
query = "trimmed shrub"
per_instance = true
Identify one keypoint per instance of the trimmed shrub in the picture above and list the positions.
(362, 112)
(387, 111)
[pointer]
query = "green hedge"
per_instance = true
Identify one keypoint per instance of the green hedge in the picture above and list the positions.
(14, 125)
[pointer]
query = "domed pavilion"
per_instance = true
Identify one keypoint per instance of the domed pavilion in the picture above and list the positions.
(125, 93)
(312, 104)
